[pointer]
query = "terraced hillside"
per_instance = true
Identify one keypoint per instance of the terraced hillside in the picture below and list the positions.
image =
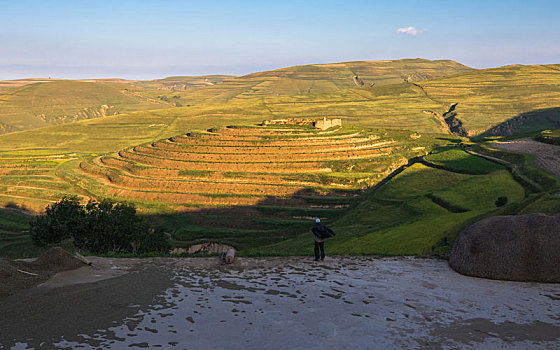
(30, 183)
(245, 185)
(254, 186)
(258, 188)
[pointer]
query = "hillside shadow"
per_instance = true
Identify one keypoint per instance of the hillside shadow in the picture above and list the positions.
(268, 221)
(450, 139)
(537, 120)
(244, 226)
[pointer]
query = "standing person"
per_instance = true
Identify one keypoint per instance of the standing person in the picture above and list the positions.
(320, 233)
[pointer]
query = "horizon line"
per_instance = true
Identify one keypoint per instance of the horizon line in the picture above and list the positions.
(112, 77)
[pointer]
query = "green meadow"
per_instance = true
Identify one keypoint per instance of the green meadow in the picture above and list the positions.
(14, 237)
(417, 212)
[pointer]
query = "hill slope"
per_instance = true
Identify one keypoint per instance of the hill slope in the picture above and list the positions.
(181, 83)
(44, 103)
(319, 78)
(502, 101)
(61, 101)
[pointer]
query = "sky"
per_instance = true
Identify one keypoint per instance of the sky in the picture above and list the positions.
(138, 39)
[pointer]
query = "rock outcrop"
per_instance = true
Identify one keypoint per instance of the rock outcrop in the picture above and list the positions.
(203, 248)
(516, 248)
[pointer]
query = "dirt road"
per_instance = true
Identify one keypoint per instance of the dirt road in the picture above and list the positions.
(546, 156)
(280, 303)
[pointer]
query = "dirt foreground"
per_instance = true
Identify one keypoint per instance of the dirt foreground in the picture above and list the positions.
(279, 303)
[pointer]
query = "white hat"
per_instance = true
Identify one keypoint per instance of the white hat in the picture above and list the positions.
(317, 220)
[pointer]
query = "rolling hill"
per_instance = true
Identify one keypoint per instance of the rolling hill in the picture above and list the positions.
(320, 78)
(501, 101)
(182, 83)
(38, 103)
(55, 102)
(416, 94)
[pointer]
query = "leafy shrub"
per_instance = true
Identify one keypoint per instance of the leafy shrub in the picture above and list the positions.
(97, 227)
(549, 136)
(60, 221)
(11, 205)
(501, 201)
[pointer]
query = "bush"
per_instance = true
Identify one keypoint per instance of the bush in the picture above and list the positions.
(97, 227)
(501, 201)
(60, 221)
(12, 205)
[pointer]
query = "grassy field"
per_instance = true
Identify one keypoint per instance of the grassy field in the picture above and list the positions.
(417, 212)
(14, 236)
(455, 159)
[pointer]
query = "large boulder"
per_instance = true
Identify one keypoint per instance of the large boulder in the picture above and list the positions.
(516, 248)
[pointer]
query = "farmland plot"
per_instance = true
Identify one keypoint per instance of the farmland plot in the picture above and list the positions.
(237, 183)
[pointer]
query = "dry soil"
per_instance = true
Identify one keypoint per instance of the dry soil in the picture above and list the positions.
(279, 303)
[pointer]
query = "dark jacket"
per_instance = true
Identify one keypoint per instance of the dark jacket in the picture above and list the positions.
(321, 231)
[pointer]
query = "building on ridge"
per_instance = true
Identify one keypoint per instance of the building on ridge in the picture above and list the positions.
(322, 124)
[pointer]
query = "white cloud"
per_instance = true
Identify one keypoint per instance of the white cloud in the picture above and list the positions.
(410, 30)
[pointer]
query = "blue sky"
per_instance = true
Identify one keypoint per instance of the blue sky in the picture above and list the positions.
(150, 39)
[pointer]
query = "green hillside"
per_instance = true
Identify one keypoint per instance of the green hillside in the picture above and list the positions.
(418, 211)
(399, 107)
(502, 101)
(239, 101)
(181, 83)
(45, 103)
(498, 101)
(62, 101)
(318, 78)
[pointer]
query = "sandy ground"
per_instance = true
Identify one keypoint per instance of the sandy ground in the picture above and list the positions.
(546, 156)
(279, 303)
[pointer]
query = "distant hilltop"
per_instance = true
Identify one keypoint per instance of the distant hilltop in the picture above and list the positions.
(322, 124)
